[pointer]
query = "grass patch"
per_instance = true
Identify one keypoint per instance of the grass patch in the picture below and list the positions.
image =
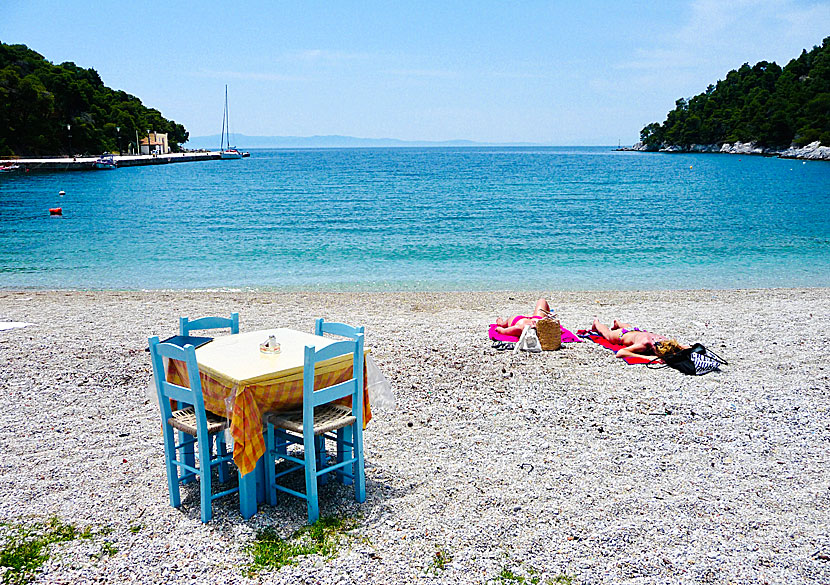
(324, 537)
(440, 560)
(26, 548)
(107, 549)
(508, 576)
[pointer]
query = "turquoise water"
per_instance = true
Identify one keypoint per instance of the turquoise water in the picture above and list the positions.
(423, 219)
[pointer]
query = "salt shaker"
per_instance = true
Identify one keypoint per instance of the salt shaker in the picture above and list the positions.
(270, 345)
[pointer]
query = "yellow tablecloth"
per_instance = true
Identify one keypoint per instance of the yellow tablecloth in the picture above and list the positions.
(241, 383)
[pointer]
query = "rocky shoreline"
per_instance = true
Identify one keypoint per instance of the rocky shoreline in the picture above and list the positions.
(813, 151)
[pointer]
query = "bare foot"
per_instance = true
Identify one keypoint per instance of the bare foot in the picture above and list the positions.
(616, 325)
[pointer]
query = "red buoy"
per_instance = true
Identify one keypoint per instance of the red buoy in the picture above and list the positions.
(55, 211)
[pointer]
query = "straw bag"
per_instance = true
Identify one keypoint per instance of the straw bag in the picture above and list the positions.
(549, 332)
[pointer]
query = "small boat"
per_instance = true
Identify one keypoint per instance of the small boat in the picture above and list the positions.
(105, 162)
(226, 151)
(230, 153)
(8, 168)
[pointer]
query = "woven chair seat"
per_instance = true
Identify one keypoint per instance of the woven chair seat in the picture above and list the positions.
(327, 418)
(185, 421)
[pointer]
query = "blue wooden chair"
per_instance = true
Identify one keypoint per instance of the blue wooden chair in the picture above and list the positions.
(318, 417)
(195, 425)
(186, 325)
(322, 327)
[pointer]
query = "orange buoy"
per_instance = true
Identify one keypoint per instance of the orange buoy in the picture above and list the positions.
(55, 211)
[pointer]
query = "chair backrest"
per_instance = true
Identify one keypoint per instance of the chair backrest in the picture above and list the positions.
(352, 387)
(168, 391)
(186, 325)
(340, 329)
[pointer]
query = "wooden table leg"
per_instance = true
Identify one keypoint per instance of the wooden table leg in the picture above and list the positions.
(260, 480)
(248, 494)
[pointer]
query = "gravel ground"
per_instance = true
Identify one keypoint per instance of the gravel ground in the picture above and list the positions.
(561, 463)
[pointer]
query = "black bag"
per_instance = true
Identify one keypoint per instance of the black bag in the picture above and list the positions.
(692, 361)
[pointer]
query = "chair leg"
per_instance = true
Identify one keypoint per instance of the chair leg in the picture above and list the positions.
(270, 464)
(344, 436)
(322, 463)
(282, 448)
(359, 472)
(204, 478)
(187, 454)
(310, 457)
(260, 480)
(172, 469)
(222, 451)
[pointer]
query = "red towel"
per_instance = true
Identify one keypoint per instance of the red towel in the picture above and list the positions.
(600, 340)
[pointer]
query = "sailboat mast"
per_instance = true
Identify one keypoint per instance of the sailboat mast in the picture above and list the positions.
(224, 119)
(227, 115)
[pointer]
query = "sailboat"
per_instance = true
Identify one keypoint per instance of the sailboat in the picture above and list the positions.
(226, 151)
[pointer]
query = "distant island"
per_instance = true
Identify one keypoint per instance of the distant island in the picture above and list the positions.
(65, 109)
(331, 141)
(762, 109)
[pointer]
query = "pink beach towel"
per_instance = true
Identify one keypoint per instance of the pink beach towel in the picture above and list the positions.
(567, 336)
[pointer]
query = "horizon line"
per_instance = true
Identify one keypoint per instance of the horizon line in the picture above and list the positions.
(399, 141)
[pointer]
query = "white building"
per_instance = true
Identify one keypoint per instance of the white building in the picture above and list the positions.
(157, 144)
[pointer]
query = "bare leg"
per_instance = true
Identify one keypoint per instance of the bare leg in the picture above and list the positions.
(516, 330)
(620, 325)
(612, 336)
(504, 325)
(542, 308)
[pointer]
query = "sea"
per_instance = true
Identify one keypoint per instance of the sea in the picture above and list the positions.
(423, 219)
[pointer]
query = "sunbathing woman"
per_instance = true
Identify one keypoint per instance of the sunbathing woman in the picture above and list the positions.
(636, 341)
(519, 322)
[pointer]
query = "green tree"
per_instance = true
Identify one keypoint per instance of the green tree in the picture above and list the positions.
(39, 99)
(764, 103)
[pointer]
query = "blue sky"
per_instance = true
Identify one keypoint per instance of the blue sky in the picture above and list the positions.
(562, 73)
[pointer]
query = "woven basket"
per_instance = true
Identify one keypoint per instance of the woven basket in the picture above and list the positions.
(550, 335)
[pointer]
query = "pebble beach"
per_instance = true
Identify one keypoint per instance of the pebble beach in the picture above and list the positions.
(564, 466)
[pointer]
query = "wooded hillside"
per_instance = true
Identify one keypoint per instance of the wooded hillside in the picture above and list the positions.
(766, 104)
(38, 100)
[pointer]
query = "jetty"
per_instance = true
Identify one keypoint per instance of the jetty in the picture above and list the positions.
(87, 163)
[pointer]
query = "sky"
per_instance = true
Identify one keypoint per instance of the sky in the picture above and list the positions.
(559, 72)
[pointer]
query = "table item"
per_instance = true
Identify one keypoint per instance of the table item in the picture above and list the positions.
(270, 345)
